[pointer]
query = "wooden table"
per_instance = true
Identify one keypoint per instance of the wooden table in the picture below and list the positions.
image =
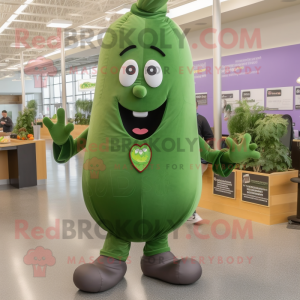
(23, 163)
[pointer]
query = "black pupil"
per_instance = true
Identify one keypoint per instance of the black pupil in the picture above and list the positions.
(151, 70)
(130, 70)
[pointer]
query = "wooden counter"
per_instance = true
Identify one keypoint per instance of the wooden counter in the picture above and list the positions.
(15, 142)
(15, 156)
(282, 198)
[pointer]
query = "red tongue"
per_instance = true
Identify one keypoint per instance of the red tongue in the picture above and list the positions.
(140, 131)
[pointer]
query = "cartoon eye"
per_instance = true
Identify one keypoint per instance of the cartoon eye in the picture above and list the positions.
(128, 73)
(153, 73)
(43, 258)
(44, 68)
(35, 258)
(36, 68)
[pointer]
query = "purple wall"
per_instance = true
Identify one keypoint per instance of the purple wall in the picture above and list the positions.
(279, 67)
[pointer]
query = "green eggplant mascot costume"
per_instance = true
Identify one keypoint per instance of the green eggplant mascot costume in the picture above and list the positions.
(142, 170)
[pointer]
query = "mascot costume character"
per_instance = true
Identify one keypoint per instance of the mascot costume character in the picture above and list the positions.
(140, 176)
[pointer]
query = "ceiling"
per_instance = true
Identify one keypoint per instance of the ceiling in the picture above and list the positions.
(233, 10)
(86, 15)
(92, 15)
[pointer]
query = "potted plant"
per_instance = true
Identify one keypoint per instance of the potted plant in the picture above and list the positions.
(263, 190)
(23, 127)
(84, 109)
(32, 105)
(78, 118)
(266, 131)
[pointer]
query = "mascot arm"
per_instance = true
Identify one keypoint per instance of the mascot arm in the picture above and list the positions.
(216, 158)
(62, 153)
(224, 161)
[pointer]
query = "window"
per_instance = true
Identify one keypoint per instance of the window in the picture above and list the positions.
(40, 112)
(51, 94)
(46, 92)
(56, 79)
(57, 90)
(94, 71)
(69, 78)
(71, 110)
(46, 111)
(78, 75)
(85, 74)
(52, 111)
(69, 88)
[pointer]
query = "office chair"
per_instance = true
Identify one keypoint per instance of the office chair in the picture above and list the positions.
(296, 218)
(287, 140)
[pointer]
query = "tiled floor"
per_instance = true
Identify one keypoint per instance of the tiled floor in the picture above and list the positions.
(265, 266)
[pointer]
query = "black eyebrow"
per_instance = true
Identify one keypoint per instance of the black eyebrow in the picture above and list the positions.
(158, 50)
(127, 49)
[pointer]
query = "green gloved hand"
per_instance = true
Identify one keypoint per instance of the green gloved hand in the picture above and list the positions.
(59, 132)
(240, 152)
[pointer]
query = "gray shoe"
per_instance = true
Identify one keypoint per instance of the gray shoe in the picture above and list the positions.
(99, 276)
(168, 268)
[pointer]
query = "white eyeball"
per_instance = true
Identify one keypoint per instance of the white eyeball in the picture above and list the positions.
(153, 73)
(129, 72)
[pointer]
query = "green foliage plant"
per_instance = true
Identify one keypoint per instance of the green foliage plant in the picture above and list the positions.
(84, 106)
(32, 105)
(266, 131)
(243, 120)
(24, 123)
(84, 109)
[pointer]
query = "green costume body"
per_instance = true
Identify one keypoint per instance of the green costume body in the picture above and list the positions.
(134, 206)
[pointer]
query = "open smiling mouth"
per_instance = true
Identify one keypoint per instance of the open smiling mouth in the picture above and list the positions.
(141, 125)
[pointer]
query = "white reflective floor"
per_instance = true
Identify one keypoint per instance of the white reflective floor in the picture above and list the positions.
(265, 266)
